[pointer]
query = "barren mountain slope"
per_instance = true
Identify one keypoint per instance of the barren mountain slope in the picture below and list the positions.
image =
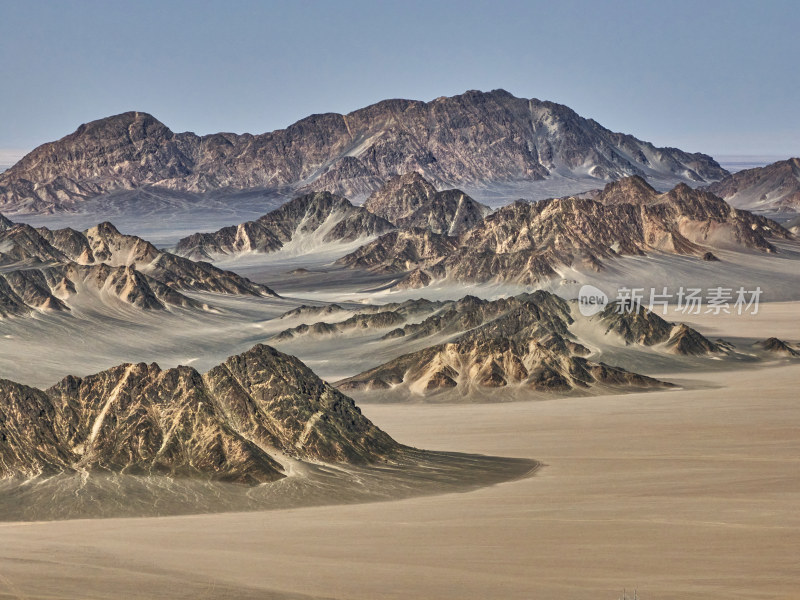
(775, 187)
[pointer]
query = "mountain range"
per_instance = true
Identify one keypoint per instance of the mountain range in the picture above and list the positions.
(44, 270)
(475, 141)
(527, 242)
(523, 344)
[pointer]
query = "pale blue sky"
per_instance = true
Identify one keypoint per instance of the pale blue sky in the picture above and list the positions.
(714, 76)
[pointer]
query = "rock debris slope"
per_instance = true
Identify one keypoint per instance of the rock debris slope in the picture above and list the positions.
(476, 140)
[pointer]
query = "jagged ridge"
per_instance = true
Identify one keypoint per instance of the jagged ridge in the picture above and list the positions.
(526, 242)
(44, 268)
(472, 139)
(520, 342)
(323, 216)
(409, 201)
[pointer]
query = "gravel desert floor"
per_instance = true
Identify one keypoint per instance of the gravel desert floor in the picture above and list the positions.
(680, 494)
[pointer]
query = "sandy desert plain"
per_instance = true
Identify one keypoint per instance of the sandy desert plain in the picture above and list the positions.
(680, 494)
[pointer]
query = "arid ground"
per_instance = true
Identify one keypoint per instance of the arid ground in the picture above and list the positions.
(688, 494)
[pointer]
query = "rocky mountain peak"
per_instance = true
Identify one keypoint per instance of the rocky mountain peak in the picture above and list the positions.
(134, 125)
(410, 201)
(236, 423)
(778, 346)
(314, 219)
(400, 196)
(628, 190)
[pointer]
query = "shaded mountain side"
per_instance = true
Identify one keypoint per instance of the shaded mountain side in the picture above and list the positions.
(234, 423)
(409, 201)
(528, 242)
(315, 219)
(775, 187)
(474, 139)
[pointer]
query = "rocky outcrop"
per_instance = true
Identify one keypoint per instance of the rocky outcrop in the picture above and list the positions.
(775, 346)
(629, 190)
(400, 251)
(775, 187)
(522, 343)
(359, 321)
(409, 201)
(639, 326)
(5, 223)
(528, 242)
(475, 140)
(407, 309)
(401, 196)
(455, 317)
(236, 423)
(312, 220)
(687, 341)
(23, 246)
(45, 268)
(644, 327)
(53, 288)
(275, 399)
(304, 310)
